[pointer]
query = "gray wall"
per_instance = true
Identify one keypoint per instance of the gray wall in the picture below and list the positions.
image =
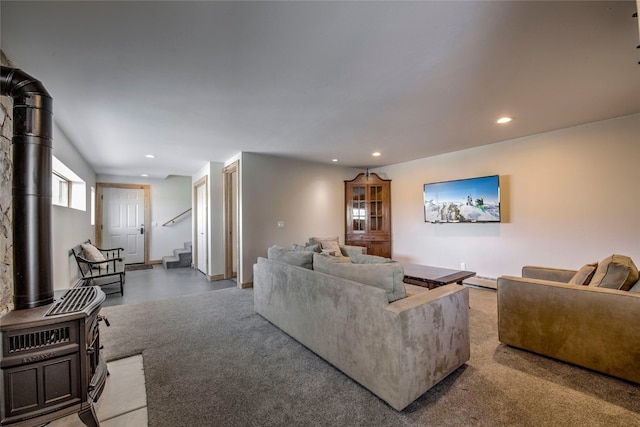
(70, 226)
(308, 197)
(569, 197)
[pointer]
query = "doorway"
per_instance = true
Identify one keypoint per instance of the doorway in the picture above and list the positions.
(200, 249)
(231, 223)
(122, 216)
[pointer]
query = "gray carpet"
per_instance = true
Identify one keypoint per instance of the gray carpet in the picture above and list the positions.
(211, 361)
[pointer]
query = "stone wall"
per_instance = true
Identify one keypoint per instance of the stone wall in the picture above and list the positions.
(6, 237)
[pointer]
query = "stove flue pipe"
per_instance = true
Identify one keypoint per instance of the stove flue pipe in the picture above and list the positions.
(31, 189)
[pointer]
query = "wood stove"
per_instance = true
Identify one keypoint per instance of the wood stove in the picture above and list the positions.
(51, 362)
(50, 359)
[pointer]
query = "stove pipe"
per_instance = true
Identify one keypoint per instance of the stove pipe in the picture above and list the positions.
(32, 148)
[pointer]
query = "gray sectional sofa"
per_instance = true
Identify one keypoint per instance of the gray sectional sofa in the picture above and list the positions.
(398, 350)
(586, 317)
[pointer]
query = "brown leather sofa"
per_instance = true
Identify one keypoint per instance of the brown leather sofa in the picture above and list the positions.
(592, 326)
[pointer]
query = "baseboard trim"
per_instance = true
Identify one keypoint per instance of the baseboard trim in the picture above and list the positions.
(246, 285)
(155, 261)
(216, 277)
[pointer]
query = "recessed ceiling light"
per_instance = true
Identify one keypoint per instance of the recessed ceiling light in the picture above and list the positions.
(376, 154)
(503, 120)
(150, 156)
(144, 174)
(334, 160)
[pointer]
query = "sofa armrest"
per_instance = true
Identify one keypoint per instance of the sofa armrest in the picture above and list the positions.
(416, 300)
(587, 326)
(548, 273)
(431, 337)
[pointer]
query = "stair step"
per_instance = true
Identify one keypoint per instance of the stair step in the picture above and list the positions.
(180, 258)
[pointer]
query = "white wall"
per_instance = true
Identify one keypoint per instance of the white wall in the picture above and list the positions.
(308, 197)
(168, 198)
(569, 197)
(215, 220)
(70, 226)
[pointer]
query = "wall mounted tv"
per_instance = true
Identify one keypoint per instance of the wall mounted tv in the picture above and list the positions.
(463, 200)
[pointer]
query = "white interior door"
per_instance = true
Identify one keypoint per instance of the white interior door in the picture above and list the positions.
(123, 222)
(201, 228)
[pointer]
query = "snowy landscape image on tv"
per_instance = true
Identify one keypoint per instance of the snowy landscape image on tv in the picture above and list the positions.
(463, 200)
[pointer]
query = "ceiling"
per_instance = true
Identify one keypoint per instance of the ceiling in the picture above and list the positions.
(192, 82)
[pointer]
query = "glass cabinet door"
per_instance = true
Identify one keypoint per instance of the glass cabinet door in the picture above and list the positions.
(375, 208)
(358, 213)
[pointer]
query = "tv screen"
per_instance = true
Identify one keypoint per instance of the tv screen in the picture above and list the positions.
(463, 200)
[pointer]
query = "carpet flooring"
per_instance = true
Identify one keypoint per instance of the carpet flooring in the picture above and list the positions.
(210, 360)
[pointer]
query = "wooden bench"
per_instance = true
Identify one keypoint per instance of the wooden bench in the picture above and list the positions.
(101, 273)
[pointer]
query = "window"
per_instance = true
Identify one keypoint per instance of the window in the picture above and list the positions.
(68, 189)
(60, 190)
(93, 206)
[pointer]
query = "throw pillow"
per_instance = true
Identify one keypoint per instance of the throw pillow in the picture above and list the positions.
(320, 240)
(298, 258)
(92, 253)
(584, 275)
(328, 252)
(332, 247)
(615, 272)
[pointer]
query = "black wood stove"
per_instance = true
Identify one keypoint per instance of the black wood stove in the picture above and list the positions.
(50, 359)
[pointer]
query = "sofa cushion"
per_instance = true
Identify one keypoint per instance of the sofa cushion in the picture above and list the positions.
(615, 272)
(636, 287)
(584, 275)
(369, 259)
(298, 258)
(331, 258)
(388, 276)
(309, 248)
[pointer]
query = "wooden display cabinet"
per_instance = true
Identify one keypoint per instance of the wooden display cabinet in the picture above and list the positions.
(368, 213)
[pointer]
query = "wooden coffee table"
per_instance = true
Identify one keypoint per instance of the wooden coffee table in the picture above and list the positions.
(432, 277)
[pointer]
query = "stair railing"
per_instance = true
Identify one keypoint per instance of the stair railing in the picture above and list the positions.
(173, 220)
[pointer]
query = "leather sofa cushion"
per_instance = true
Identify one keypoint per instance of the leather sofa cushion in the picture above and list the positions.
(615, 272)
(387, 276)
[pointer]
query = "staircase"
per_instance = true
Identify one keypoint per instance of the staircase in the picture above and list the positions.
(180, 258)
